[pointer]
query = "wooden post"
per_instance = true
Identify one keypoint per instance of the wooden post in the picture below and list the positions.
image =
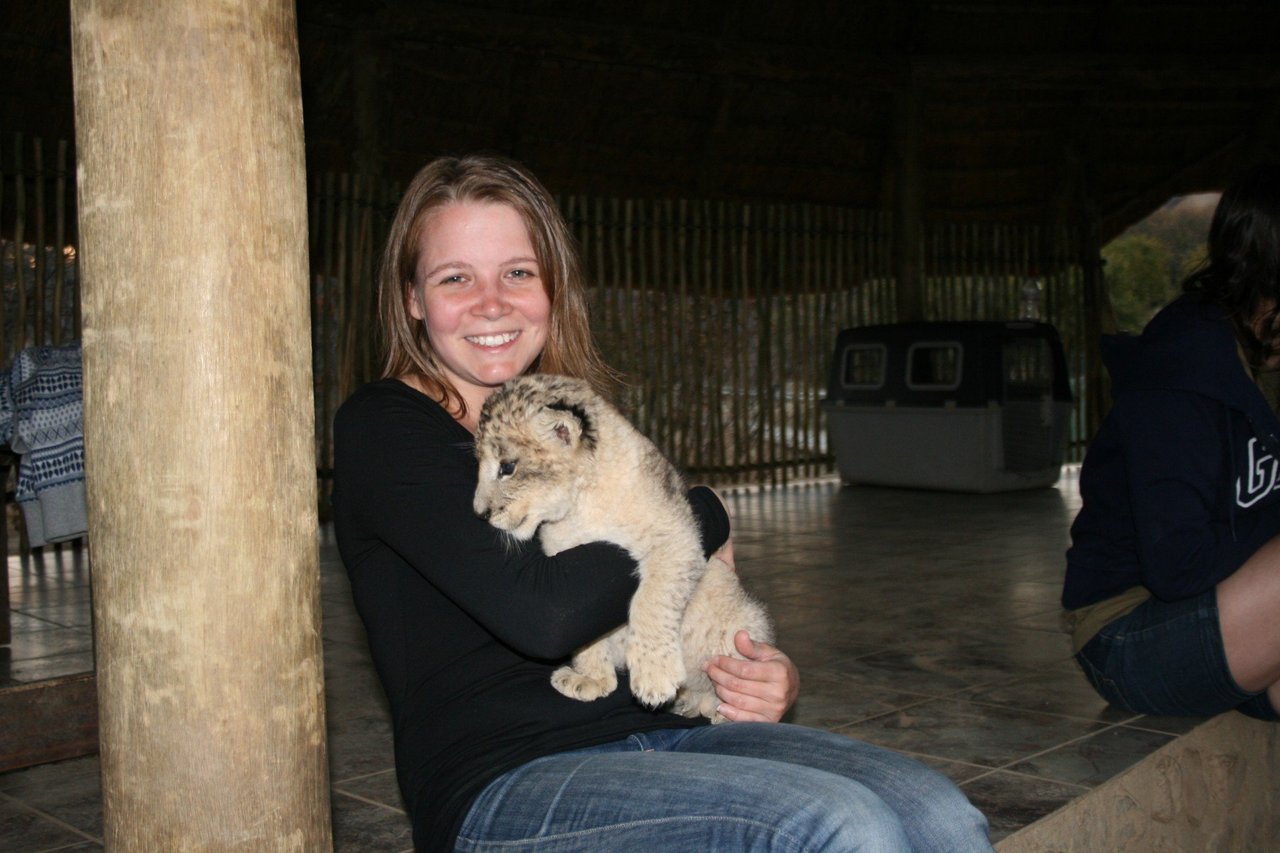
(908, 207)
(199, 426)
(1099, 320)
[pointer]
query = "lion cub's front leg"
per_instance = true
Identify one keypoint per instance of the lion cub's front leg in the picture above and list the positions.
(654, 652)
(593, 673)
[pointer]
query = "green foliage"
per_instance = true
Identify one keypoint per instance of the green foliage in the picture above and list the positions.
(1146, 265)
(1137, 272)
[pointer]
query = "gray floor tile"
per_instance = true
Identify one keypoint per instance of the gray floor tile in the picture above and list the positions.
(360, 826)
(75, 799)
(359, 746)
(1056, 690)
(53, 666)
(378, 788)
(1011, 801)
(1093, 760)
(24, 830)
(986, 735)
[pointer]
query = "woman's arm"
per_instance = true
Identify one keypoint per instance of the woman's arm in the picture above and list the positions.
(405, 477)
(407, 474)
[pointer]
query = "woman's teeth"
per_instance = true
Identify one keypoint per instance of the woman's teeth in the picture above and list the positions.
(493, 340)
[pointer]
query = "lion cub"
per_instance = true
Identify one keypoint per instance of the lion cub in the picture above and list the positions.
(558, 461)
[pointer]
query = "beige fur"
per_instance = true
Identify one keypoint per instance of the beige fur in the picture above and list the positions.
(558, 461)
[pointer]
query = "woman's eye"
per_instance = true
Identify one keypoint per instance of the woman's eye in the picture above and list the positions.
(506, 468)
(522, 274)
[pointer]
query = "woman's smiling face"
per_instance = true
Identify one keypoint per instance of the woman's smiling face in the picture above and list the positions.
(479, 291)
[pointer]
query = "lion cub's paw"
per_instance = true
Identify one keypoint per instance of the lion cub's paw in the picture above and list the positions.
(575, 685)
(698, 699)
(654, 680)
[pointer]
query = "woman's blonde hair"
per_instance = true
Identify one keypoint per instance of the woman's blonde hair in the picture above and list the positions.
(569, 349)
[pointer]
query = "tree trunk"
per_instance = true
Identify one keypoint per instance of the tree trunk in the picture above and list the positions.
(199, 425)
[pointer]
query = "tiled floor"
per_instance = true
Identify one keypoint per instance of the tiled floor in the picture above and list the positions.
(922, 621)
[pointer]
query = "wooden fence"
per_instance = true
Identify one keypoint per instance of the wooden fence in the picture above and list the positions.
(39, 264)
(721, 315)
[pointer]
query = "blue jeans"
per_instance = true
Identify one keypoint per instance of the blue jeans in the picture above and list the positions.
(734, 786)
(1166, 658)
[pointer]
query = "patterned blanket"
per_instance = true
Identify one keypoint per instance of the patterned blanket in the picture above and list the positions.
(42, 420)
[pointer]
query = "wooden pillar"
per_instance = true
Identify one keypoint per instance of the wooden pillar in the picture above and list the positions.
(908, 207)
(1100, 319)
(199, 425)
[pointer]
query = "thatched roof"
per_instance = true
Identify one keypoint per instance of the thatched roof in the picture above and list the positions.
(1012, 108)
(995, 110)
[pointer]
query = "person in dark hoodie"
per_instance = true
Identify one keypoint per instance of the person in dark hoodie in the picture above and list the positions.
(1172, 589)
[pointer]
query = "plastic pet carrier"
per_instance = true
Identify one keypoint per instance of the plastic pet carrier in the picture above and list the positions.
(964, 406)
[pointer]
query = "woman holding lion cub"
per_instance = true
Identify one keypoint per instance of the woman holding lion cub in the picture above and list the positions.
(480, 284)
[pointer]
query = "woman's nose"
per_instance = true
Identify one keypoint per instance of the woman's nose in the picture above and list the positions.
(491, 302)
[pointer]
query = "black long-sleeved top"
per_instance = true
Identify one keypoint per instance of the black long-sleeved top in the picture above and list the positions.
(465, 627)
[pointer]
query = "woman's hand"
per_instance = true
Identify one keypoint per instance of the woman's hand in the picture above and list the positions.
(758, 689)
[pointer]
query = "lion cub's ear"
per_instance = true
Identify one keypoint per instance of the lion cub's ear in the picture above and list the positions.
(565, 426)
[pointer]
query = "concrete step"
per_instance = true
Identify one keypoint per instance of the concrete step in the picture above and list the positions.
(1216, 788)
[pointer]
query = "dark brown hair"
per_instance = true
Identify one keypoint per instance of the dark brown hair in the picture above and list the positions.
(1242, 271)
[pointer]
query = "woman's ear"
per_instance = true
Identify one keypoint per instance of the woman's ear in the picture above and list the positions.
(413, 301)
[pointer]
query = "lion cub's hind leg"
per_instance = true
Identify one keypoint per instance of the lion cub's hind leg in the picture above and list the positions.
(719, 608)
(593, 673)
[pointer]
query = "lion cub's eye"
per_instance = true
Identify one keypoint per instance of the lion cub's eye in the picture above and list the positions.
(506, 468)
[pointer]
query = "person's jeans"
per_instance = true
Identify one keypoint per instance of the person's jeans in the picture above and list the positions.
(1166, 658)
(732, 787)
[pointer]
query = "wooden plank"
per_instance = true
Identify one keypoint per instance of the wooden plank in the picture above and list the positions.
(6, 629)
(48, 721)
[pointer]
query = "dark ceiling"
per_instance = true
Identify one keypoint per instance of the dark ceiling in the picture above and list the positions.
(996, 111)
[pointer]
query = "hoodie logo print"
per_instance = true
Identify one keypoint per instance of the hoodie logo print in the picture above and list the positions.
(1261, 476)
